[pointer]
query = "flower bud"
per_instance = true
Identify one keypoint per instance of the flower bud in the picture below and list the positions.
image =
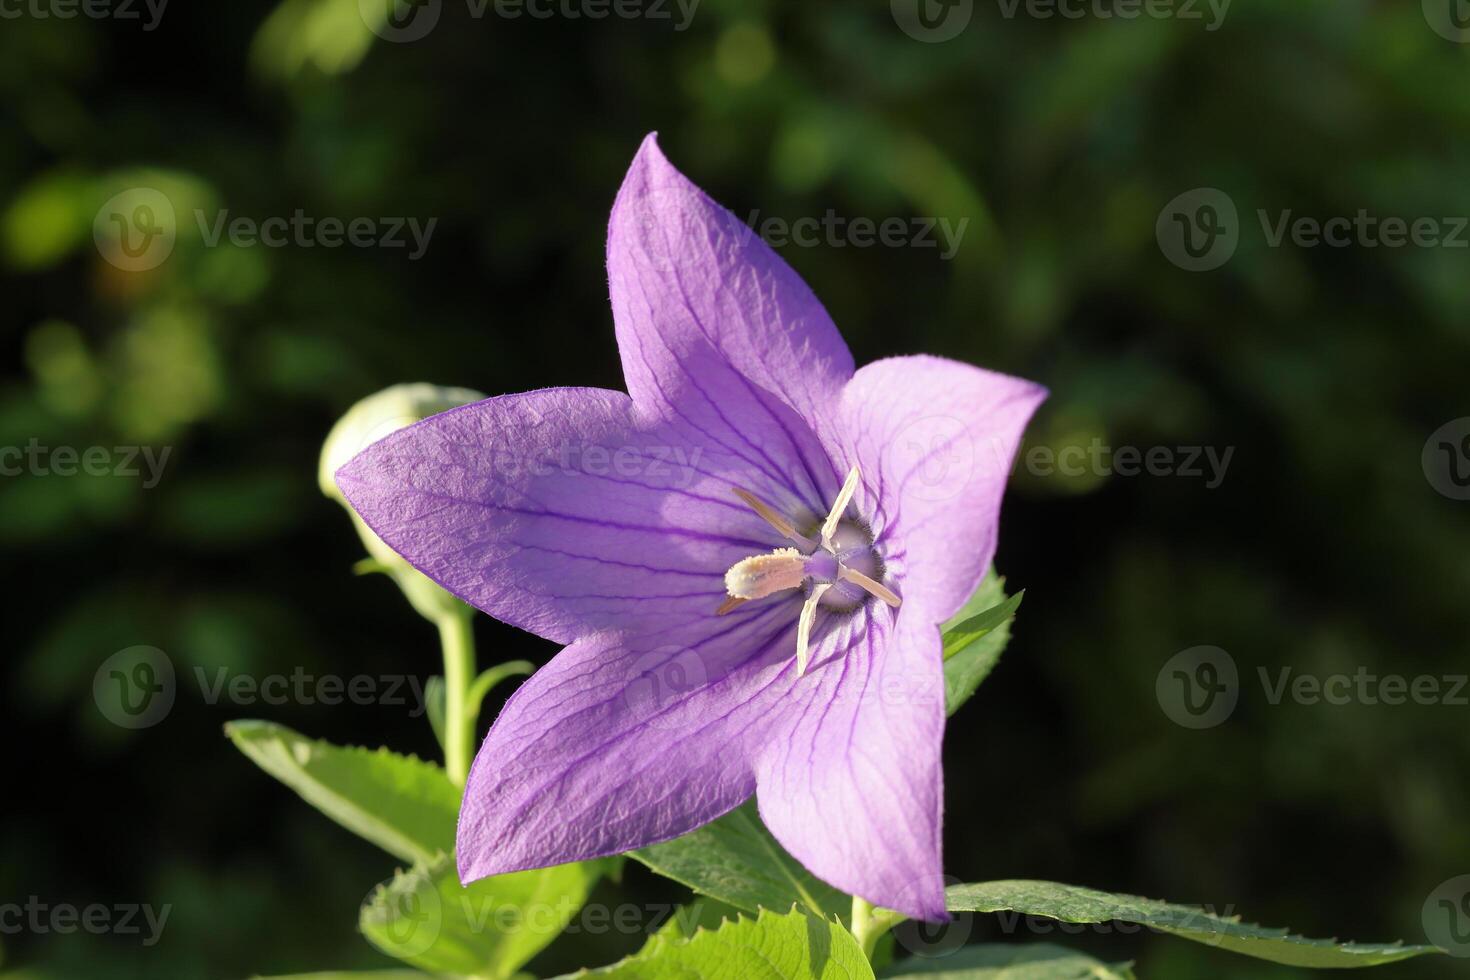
(371, 419)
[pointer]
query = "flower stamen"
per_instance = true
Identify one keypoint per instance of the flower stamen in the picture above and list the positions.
(804, 626)
(730, 604)
(839, 507)
(768, 513)
(870, 586)
(822, 563)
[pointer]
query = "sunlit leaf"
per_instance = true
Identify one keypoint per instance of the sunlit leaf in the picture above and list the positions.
(773, 946)
(736, 860)
(1070, 903)
(406, 806)
(974, 639)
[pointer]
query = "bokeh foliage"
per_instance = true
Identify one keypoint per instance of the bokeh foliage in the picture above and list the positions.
(1324, 548)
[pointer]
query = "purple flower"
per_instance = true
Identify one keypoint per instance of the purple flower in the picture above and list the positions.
(747, 556)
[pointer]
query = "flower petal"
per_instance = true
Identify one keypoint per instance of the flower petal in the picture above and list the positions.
(553, 511)
(626, 740)
(935, 440)
(852, 783)
(686, 273)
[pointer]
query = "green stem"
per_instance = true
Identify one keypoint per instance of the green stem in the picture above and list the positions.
(457, 637)
(869, 924)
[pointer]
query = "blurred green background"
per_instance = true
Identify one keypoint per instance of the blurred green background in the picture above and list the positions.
(1325, 548)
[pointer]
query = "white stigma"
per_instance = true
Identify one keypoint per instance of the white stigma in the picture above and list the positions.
(786, 568)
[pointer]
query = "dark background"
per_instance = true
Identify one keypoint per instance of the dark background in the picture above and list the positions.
(1325, 548)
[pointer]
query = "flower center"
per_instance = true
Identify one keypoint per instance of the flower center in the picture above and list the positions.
(840, 567)
(852, 549)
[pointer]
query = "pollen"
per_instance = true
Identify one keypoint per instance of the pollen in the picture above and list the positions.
(763, 575)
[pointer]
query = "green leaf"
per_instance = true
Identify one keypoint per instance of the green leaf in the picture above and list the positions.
(772, 946)
(974, 639)
(1034, 961)
(736, 860)
(351, 975)
(425, 917)
(406, 806)
(435, 706)
(1069, 903)
(488, 679)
